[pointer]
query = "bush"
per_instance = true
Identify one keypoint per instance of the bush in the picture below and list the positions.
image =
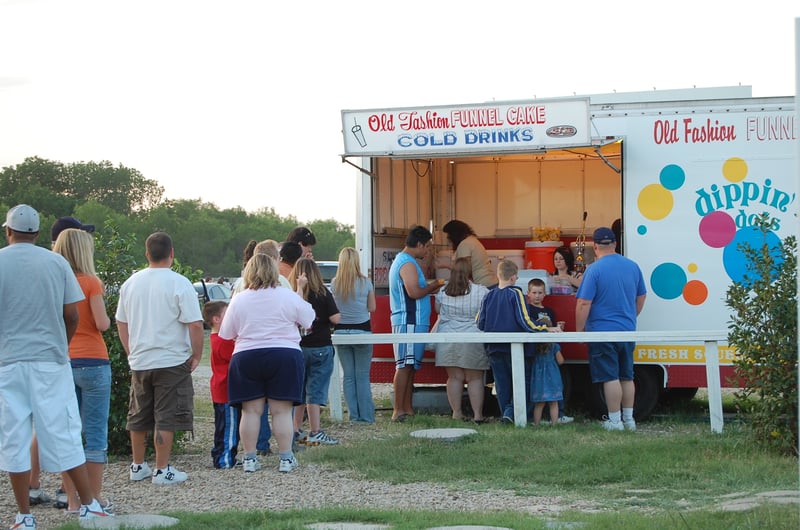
(115, 262)
(763, 329)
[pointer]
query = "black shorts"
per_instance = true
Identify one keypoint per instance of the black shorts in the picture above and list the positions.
(273, 373)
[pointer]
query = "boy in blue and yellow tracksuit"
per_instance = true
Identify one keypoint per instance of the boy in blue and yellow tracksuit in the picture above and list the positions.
(504, 310)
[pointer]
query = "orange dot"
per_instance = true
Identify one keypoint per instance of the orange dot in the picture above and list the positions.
(695, 292)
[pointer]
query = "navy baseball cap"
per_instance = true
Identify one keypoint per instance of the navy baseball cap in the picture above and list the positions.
(62, 223)
(604, 236)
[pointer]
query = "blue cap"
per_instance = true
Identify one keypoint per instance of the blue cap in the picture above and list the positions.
(604, 236)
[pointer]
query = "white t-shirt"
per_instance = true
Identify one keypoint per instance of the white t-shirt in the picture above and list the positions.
(266, 318)
(157, 304)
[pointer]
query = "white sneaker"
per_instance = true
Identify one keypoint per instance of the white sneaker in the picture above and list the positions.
(24, 522)
(288, 465)
(140, 471)
(613, 425)
(629, 425)
(251, 465)
(169, 476)
(320, 438)
(87, 514)
(566, 419)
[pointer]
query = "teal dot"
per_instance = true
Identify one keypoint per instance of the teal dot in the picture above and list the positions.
(672, 177)
(668, 280)
(641, 229)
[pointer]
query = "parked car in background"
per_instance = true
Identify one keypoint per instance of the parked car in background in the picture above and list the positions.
(328, 270)
(208, 291)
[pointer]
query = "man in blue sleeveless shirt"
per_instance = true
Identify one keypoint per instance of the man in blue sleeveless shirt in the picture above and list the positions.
(409, 301)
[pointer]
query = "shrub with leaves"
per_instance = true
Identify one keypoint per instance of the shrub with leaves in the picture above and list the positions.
(115, 262)
(763, 328)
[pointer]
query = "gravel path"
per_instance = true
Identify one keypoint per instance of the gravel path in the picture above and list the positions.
(311, 485)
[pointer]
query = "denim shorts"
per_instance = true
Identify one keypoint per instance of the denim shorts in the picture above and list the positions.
(319, 367)
(611, 361)
(93, 389)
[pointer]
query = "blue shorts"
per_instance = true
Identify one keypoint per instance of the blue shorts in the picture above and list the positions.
(408, 355)
(272, 373)
(319, 367)
(611, 361)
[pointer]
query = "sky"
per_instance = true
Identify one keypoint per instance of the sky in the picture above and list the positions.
(238, 102)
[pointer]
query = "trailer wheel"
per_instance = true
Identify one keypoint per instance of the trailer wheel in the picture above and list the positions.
(680, 395)
(648, 393)
(648, 390)
(566, 384)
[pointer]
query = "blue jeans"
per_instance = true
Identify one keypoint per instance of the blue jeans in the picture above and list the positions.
(264, 433)
(500, 362)
(356, 361)
(93, 390)
(319, 367)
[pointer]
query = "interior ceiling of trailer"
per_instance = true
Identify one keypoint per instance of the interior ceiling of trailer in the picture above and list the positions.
(609, 150)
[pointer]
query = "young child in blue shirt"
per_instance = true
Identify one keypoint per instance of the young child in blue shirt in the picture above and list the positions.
(543, 314)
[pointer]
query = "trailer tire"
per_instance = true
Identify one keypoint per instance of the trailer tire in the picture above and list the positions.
(566, 384)
(680, 395)
(648, 390)
(648, 393)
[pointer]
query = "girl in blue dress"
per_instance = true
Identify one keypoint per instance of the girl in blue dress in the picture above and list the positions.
(546, 386)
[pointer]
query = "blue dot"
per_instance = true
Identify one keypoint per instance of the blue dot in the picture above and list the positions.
(672, 177)
(641, 229)
(668, 280)
(736, 262)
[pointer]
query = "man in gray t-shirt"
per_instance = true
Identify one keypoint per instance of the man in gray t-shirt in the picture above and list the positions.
(39, 311)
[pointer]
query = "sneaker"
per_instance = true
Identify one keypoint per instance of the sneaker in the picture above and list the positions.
(507, 420)
(251, 465)
(612, 425)
(629, 425)
(566, 419)
(62, 500)
(87, 513)
(169, 476)
(24, 522)
(37, 496)
(288, 465)
(299, 441)
(140, 471)
(320, 438)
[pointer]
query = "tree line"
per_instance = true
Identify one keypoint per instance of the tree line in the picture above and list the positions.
(206, 238)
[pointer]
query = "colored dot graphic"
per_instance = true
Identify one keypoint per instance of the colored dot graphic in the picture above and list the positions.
(655, 202)
(718, 229)
(672, 177)
(734, 169)
(734, 258)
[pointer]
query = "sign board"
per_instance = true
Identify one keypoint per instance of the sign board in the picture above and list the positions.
(463, 129)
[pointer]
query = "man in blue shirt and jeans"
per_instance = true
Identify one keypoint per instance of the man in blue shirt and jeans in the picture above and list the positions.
(610, 298)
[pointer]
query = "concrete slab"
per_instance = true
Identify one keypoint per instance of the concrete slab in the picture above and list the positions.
(447, 435)
(347, 526)
(137, 521)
